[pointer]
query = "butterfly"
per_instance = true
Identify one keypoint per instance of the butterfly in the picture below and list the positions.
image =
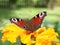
(32, 24)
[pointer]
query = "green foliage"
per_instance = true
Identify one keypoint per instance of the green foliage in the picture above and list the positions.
(32, 3)
(24, 3)
(27, 3)
(13, 1)
(42, 3)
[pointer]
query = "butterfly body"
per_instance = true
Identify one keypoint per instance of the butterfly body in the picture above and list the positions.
(32, 24)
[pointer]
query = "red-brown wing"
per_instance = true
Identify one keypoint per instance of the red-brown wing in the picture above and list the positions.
(32, 24)
(21, 23)
(18, 22)
(37, 20)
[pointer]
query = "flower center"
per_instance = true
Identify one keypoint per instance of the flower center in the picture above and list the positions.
(33, 37)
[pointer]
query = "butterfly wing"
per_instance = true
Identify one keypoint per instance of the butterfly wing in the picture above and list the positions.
(32, 25)
(37, 20)
(19, 22)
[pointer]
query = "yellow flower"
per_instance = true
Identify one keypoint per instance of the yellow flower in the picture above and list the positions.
(42, 36)
(47, 37)
(11, 33)
(10, 36)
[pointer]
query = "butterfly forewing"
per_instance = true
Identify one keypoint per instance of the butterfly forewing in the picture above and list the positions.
(37, 20)
(19, 22)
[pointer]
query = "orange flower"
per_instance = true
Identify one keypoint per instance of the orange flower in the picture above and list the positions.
(38, 37)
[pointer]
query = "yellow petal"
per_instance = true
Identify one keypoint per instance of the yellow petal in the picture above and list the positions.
(11, 32)
(26, 39)
(47, 36)
(39, 31)
(14, 28)
(10, 36)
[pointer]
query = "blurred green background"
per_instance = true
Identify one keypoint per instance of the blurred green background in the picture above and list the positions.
(26, 9)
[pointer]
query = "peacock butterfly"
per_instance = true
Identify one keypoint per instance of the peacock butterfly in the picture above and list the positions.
(32, 24)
